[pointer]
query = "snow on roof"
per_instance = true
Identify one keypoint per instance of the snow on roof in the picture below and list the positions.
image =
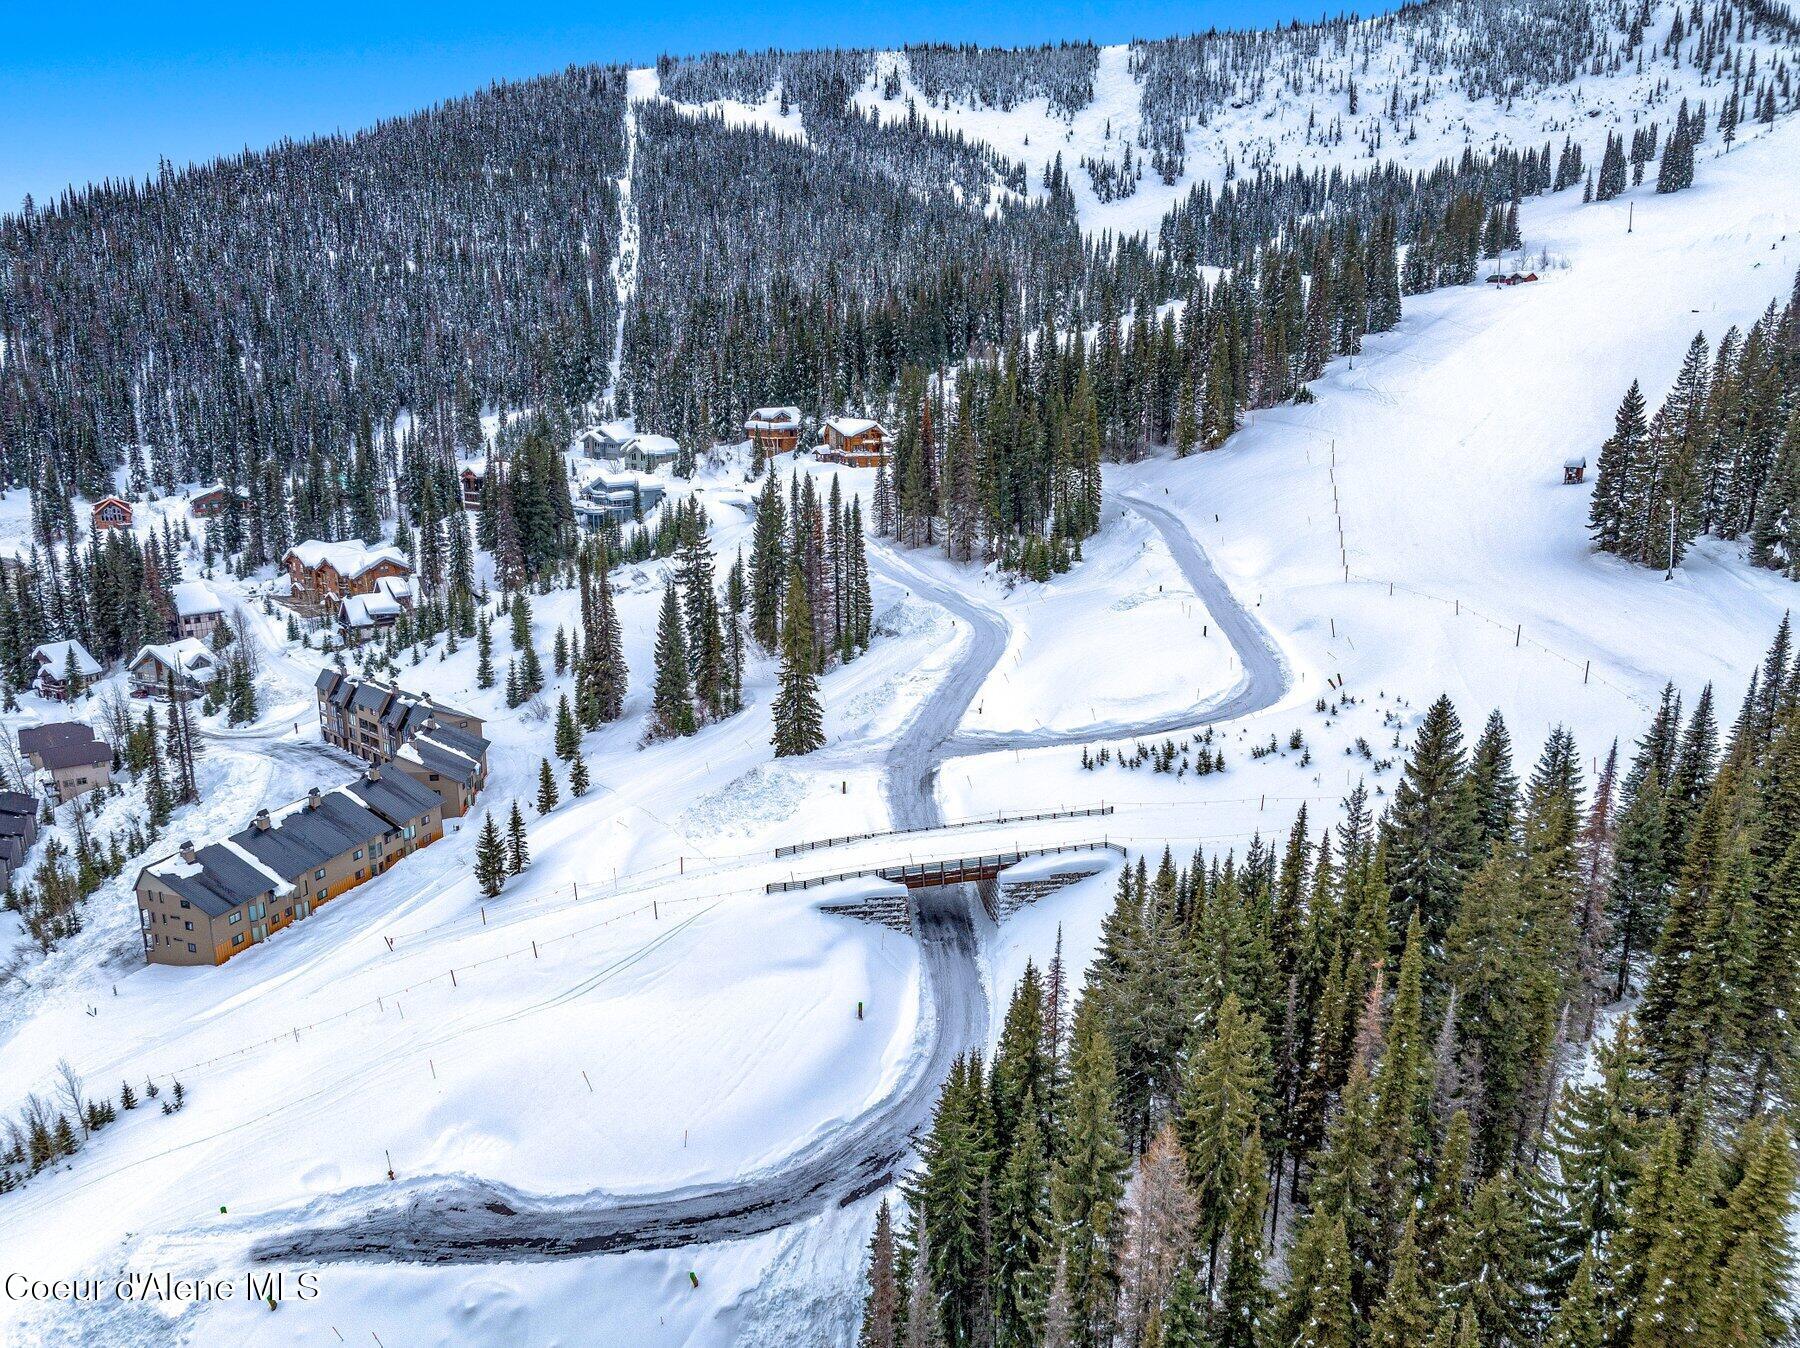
(848, 426)
(388, 600)
(189, 657)
(195, 597)
(367, 610)
(620, 430)
(55, 654)
(280, 885)
(348, 558)
(651, 443)
(770, 418)
(63, 744)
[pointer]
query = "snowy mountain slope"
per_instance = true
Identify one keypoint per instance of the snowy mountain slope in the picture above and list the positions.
(1450, 436)
(1414, 88)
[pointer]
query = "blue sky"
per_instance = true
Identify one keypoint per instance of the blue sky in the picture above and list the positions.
(106, 89)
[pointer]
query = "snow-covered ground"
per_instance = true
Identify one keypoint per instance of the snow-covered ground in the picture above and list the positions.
(636, 1013)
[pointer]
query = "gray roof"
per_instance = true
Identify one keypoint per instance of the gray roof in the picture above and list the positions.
(308, 836)
(297, 840)
(394, 796)
(218, 881)
(394, 707)
(17, 802)
(63, 744)
(451, 753)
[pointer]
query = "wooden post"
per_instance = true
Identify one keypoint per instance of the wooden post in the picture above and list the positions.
(453, 978)
(534, 953)
(1585, 668)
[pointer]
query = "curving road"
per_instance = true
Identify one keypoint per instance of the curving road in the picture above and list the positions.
(466, 1219)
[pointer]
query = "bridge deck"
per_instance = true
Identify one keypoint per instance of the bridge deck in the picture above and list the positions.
(933, 874)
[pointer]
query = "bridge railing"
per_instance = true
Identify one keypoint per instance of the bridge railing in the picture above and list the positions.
(959, 866)
(794, 849)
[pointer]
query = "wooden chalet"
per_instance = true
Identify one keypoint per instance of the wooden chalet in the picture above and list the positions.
(55, 660)
(111, 512)
(855, 442)
(773, 430)
(322, 574)
(210, 502)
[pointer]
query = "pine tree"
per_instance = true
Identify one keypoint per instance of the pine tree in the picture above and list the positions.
(1579, 1321)
(1403, 1316)
(518, 852)
(1184, 1316)
(1317, 1312)
(881, 1303)
(1751, 1300)
(1221, 1104)
(1241, 1318)
(1087, 1185)
(568, 735)
(1595, 1139)
(1619, 478)
(798, 719)
(578, 776)
(546, 792)
(1429, 828)
(1024, 1233)
(484, 654)
(672, 703)
(491, 867)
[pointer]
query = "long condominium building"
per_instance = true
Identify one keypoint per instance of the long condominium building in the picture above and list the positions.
(202, 905)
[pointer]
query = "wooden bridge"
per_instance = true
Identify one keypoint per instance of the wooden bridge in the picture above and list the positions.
(934, 874)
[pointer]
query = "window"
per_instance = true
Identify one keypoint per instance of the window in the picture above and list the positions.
(236, 918)
(319, 874)
(356, 855)
(185, 904)
(188, 925)
(320, 895)
(256, 910)
(238, 939)
(359, 875)
(190, 947)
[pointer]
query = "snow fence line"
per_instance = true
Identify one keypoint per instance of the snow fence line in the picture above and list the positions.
(533, 949)
(1460, 607)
